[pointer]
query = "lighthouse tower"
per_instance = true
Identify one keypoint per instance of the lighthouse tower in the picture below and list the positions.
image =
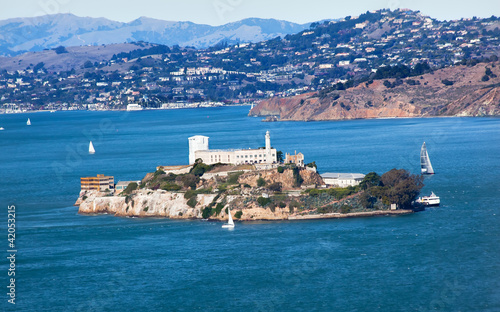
(268, 141)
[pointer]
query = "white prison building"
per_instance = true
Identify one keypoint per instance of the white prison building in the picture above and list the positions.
(198, 148)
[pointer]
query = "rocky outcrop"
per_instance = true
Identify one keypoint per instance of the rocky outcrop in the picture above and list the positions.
(144, 203)
(286, 178)
(422, 96)
(163, 204)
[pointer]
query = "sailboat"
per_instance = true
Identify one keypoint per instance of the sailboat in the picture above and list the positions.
(28, 122)
(425, 162)
(230, 223)
(91, 148)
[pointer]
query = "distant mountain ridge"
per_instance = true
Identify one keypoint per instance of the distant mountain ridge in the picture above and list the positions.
(19, 35)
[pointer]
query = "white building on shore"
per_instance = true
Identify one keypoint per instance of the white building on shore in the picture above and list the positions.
(198, 148)
(134, 107)
(342, 179)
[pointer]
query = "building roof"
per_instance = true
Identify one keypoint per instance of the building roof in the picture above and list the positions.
(235, 150)
(170, 168)
(125, 183)
(198, 136)
(337, 175)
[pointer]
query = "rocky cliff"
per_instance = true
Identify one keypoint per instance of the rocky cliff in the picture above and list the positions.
(143, 203)
(454, 91)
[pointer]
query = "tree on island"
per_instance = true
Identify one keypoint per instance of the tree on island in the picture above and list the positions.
(401, 187)
(279, 156)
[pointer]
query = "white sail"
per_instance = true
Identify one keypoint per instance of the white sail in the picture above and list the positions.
(28, 122)
(230, 223)
(425, 162)
(91, 148)
(230, 218)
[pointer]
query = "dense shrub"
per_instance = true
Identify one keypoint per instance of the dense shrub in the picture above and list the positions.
(158, 172)
(371, 179)
(281, 169)
(170, 187)
(130, 188)
(206, 213)
(170, 177)
(345, 209)
(366, 200)
(447, 82)
(263, 201)
(261, 182)
(189, 194)
(189, 180)
(218, 208)
(233, 177)
(275, 187)
(199, 169)
(238, 214)
(192, 202)
(60, 50)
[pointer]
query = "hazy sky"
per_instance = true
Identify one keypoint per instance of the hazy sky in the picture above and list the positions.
(216, 12)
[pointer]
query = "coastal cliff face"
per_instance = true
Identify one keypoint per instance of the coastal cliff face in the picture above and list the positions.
(144, 203)
(420, 96)
(172, 205)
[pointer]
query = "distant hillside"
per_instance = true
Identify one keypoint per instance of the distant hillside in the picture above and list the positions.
(454, 91)
(378, 57)
(20, 35)
(74, 58)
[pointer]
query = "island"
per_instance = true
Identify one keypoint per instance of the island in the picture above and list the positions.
(256, 184)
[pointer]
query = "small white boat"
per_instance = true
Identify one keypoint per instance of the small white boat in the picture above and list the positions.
(28, 122)
(425, 162)
(2, 128)
(91, 148)
(431, 200)
(230, 223)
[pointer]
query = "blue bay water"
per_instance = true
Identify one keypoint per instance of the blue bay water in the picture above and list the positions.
(444, 259)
